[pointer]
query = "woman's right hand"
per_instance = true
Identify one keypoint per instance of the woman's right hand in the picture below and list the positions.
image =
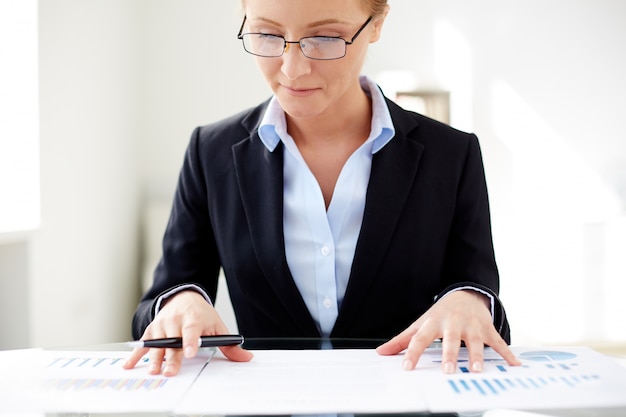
(187, 315)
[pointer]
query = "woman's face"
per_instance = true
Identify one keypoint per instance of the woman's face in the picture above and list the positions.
(305, 87)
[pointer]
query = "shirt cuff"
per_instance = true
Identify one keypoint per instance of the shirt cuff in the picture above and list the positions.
(163, 297)
(469, 287)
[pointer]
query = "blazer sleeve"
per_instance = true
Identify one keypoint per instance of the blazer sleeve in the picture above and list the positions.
(189, 250)
(470, 260)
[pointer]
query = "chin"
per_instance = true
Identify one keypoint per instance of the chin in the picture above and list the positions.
(301, 108)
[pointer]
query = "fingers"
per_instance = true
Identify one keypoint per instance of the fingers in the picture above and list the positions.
(191, 337)
(170, 360)
(500, 346)
(135, 357)
(475, 353)
(456, 318)
(173, 362)
(155, 359)
(418, 343)
(450, 346)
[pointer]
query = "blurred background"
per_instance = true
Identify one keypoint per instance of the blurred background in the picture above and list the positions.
(98, 99)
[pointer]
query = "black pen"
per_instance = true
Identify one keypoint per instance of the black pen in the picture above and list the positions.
(177, 342)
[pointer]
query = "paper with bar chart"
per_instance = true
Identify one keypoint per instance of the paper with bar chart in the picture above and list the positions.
(574, 377)
(93, 381)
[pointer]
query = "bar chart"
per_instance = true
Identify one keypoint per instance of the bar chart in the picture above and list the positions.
(568, 377)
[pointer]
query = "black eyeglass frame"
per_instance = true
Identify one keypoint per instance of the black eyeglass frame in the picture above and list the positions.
(240, 35)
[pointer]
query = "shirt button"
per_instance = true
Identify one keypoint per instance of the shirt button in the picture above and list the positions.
(327, 302)
(325, 250)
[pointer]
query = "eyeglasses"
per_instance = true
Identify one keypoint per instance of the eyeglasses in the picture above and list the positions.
(313, 47)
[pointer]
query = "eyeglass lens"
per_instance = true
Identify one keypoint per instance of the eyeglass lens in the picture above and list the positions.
(317, 47)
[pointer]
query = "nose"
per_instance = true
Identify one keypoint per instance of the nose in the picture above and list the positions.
(295, 64)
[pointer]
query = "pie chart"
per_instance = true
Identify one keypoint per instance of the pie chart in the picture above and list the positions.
(547, 355)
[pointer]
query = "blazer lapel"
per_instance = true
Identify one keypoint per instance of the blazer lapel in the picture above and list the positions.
(260, 177)
(393, 171)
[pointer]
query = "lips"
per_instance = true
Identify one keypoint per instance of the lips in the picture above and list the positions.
(299, 92)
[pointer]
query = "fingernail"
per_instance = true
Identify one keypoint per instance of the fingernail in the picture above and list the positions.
(448, 367)
(153, 368)
(407, 365)
(477, 367)
(167, 370)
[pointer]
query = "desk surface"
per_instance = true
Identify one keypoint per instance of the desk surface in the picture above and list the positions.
(291, 345)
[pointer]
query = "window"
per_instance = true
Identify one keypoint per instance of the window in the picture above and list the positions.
(19, 116)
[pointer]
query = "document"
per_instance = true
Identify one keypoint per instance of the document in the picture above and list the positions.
(89, 382)
(353, 381)
(576, 377)
(17, 379)
(304, 382)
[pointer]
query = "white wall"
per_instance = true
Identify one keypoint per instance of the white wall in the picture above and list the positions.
(83, 259)
(193, 73)
(123, 83)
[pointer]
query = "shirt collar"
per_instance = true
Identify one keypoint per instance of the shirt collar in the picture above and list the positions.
(273, 126)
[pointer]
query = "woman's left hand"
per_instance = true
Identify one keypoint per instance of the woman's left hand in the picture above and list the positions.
(462, 315)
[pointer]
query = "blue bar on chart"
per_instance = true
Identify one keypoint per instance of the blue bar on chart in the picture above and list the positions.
(497, 386)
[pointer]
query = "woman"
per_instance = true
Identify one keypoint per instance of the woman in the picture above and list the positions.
(332, 211)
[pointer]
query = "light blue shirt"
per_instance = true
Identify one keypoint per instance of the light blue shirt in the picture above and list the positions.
(320, 243)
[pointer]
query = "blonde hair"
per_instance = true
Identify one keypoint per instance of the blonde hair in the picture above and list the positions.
(374, 8)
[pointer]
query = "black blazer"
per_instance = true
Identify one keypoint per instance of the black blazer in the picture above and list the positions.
(426, 229)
